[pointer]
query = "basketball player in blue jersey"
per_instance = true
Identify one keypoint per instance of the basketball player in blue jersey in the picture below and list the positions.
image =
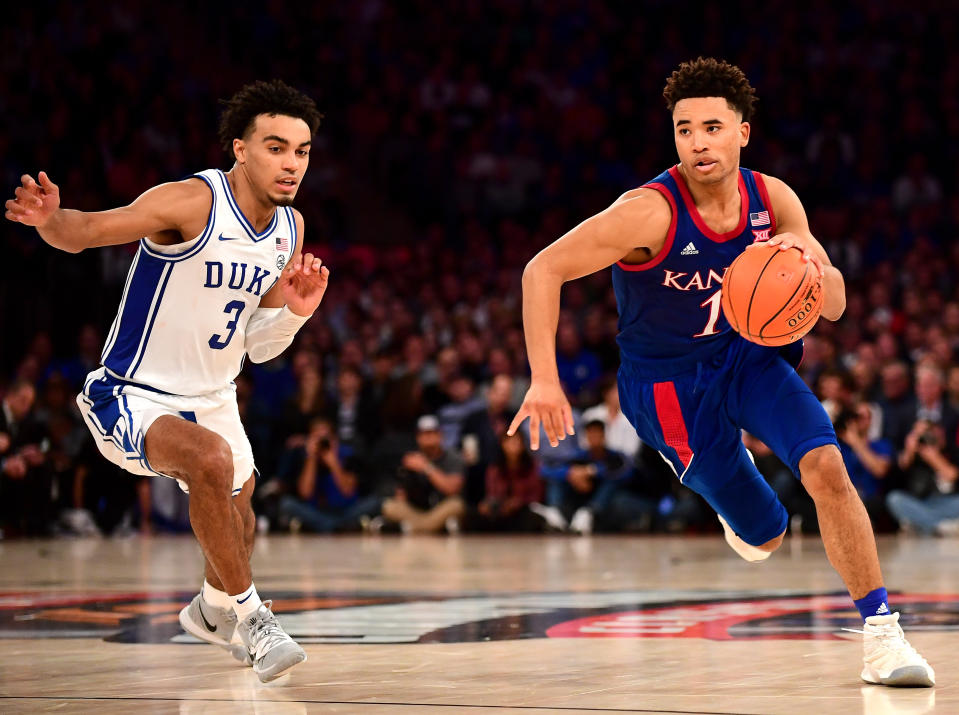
(218, 275)
(688, 383)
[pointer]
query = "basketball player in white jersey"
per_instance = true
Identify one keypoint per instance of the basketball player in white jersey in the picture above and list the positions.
(218, 275)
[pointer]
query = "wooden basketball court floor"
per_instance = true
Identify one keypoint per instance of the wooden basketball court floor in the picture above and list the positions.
(469, 625)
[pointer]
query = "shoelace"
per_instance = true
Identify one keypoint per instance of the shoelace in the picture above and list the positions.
(265, 633)
(891, 639)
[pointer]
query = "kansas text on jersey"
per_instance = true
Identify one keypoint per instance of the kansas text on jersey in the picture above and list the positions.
(669, 307)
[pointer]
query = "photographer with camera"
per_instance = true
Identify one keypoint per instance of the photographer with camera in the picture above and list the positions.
(326, 490)
(431, 481)
(929, 503)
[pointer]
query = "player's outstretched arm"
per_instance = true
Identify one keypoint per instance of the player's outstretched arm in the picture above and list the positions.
(181, 206)
(639, 218)
(792, 231)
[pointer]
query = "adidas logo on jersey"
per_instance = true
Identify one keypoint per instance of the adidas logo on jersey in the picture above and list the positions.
(690, 250)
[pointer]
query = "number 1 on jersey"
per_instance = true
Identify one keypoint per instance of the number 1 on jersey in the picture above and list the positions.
(713, 302)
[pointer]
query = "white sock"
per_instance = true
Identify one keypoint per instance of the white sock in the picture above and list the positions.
(215, 597)
(246, 602)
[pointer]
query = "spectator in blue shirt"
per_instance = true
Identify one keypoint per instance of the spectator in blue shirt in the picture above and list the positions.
(868, 461)
(590, 487)
(324, 494)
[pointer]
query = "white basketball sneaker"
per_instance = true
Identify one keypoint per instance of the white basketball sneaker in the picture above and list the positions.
(888, 659)
(214, 625)
(551, 515)
(582, 521)
(747, 551)
(272, 650)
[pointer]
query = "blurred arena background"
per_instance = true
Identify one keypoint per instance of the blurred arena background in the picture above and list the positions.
(459, 139)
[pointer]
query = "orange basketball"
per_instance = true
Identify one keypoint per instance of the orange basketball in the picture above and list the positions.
(770, 296)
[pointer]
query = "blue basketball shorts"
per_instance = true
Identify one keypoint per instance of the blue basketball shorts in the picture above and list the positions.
(695, 420)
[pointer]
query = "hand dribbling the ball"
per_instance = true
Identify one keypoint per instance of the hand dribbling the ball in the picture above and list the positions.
(787, 240)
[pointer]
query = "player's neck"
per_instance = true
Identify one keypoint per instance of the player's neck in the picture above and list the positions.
(720, 196)
(259, 212)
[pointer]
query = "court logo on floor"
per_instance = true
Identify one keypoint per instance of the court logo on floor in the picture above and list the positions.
(382, 618)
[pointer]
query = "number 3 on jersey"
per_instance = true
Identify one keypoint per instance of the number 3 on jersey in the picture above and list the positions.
(236, 307)
(713, 302)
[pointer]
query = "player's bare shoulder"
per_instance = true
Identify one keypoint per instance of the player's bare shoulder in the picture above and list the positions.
(646, 215)
(784, 202)
(184, 205)
(298, 218)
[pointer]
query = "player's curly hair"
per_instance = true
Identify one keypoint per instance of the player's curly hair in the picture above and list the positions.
(260, 97)
(709, 77)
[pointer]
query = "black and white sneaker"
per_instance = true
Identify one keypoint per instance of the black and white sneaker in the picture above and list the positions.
(214, 625)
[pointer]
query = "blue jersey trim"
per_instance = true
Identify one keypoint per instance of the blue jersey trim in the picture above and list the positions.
(153, 317)
(106, 402)
(108, 345)
(231, 200)
(292, 219)
(143, 295)
(119, 382)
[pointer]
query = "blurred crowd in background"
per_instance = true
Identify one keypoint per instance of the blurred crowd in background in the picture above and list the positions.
(459, 140)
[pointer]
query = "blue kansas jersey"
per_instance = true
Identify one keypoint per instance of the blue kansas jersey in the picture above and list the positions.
(669, 307)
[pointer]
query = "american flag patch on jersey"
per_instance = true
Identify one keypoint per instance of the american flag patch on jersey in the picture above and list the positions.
(282, 244)
(756, 219)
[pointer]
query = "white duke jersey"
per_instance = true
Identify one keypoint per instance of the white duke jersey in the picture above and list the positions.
(182, 320)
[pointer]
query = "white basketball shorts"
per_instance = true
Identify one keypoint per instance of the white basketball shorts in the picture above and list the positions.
(119, 413)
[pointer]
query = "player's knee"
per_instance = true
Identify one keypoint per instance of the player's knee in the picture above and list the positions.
(823, 473)
(772, 544)
(213, 466)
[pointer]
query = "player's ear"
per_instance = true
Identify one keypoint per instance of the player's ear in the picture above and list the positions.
(239, 151)
(744, 133)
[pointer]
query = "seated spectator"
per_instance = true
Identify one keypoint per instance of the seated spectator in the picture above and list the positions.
(481, 431)
(867, 461)
(620, 434)
(462, 401)
(928, 503)
(931, 402)
(513, 483)
(309, 401)
(898, 403)
(431, 481)
(102, 498)
(351, 409)
(578, 368)
(26, 479)
(589, 488)
(799, 505)
(324, 494)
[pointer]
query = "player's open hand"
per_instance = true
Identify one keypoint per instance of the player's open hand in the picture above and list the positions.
(35, 202)
(303, 284)
(787, 240)
(546, 405)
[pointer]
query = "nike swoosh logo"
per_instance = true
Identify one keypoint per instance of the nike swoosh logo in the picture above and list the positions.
(245, 599)
(209, 626)
(229, 238)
